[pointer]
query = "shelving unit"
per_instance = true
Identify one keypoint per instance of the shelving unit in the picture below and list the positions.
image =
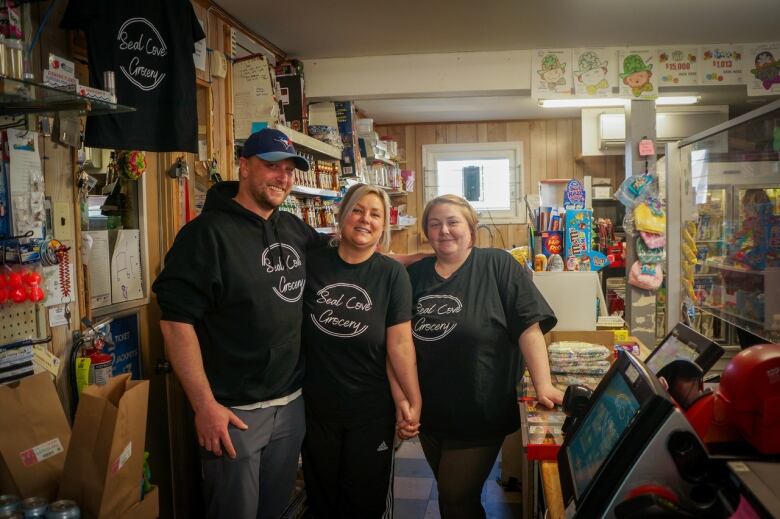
(304, 191)
(310, 143)
(18, 97)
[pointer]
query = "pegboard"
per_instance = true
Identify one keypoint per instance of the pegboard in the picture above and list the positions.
(17, 322)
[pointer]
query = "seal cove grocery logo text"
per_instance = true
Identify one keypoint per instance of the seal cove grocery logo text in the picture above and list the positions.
(291, 284)
(143, 53)
(433, 317)
(340, 310)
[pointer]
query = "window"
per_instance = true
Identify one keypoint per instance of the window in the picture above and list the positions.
(488, 175)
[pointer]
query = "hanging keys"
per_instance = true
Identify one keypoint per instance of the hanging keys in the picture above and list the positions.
(67, 314)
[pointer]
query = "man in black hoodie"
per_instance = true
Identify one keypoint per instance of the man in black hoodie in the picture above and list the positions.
(230, 295)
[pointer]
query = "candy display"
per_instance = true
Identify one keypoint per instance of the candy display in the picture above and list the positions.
(578, 233)
(650, 216)
(635, 189)
(648, 277)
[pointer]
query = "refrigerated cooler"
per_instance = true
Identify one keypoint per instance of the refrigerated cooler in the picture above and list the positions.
(729, 249)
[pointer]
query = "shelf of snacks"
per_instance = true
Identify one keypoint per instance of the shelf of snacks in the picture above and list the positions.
(730, 205)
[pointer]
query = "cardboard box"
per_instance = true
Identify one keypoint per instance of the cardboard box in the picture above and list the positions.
(149, 508)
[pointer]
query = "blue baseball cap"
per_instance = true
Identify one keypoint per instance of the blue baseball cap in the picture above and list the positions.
(273, 146)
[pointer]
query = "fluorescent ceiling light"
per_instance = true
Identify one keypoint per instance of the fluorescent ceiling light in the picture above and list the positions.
(677, 100)
(613, 101)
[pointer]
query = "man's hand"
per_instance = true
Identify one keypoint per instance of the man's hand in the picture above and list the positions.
(211, 424)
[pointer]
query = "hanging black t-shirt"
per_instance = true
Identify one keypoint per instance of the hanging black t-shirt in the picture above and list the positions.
(347, 309)
(148, 44)
(466, 330)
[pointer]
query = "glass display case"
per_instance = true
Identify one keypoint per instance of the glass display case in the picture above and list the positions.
(730, 226)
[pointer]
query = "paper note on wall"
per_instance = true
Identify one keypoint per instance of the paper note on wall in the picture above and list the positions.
(199, 56)
(126, 276)
(98, 270)
(253, 96)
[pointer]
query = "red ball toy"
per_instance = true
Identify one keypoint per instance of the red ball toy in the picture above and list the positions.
(17, 294)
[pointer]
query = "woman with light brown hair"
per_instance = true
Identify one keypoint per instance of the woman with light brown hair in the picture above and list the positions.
(361, 375)
(475, 312)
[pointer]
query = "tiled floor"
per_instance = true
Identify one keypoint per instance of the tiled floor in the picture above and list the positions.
(416, 495)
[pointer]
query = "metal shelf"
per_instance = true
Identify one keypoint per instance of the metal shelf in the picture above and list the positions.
(736, 267)
(18, 97)
(381, 161)
(313, 191)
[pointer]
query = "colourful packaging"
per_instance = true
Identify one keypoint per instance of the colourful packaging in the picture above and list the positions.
(552, 242)
(579, 232)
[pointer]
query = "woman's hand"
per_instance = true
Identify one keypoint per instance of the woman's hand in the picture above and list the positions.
(407, 420)
(548, 395)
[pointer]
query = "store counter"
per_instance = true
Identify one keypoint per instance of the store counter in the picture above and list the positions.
(551, 486)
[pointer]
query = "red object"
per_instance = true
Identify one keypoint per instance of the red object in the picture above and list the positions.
(616, 255)
(2, 281)
(658, 490)
(14, 279)
(35, 293)
(3, 295)
(749, 394)
(18, 294)
(32, 278)
(700, 413)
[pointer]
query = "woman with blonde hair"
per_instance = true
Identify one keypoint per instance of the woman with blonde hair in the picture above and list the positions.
(475, 312)
(360, 361)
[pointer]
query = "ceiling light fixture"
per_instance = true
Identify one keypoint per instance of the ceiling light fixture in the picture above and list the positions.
(613, 101)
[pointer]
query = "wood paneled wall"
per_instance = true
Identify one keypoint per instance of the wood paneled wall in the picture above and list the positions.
(551, 149)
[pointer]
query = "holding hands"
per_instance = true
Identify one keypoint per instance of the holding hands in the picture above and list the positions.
(407, 420)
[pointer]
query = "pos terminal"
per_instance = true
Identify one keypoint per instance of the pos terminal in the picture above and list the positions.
(630, 443)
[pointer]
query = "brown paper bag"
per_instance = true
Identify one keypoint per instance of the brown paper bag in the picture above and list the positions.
(34, 436)
(104, 465)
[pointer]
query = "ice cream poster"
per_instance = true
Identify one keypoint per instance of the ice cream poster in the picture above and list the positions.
(638, 73)
(721, 65)
(551, 73)
(762, 69)
(678, 66)
(595, 71)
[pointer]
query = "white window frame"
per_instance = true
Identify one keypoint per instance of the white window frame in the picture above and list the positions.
(432, 153)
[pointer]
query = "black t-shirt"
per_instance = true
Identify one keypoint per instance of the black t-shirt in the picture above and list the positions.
(148, 44)
(346, 312)
(466, 330)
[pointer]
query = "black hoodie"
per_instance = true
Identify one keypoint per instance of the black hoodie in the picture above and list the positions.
(238, 279)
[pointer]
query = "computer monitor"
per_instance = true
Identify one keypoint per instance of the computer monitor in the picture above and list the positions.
(684, 343)
(623, 415)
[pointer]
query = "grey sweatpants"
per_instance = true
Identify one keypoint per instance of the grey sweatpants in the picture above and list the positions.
(258, 483)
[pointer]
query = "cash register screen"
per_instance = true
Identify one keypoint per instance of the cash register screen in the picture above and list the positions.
(601, 429)
(672, 349)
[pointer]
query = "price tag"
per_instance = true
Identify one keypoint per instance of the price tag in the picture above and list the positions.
(646, 148)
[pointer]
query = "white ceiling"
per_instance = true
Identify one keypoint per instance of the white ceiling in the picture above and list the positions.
(309, 29)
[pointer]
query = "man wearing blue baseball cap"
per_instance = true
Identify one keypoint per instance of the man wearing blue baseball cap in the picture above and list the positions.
(230, 295)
